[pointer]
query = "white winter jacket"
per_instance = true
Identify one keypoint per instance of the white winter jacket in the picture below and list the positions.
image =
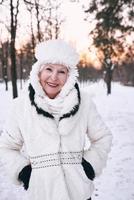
(55, 151)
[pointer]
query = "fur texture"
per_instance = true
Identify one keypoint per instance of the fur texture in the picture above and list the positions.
(42, 136)
(31, 123)
(47, 114)
(57, 51)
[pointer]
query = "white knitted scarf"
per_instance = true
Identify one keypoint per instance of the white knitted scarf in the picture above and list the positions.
(63, 102)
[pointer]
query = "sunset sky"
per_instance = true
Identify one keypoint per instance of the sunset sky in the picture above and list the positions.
(74, 28)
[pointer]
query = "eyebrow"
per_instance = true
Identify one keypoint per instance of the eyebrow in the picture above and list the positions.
(62, 67)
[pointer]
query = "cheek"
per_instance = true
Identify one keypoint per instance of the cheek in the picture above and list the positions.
(42, 77)
(64, 79)
(42, 80)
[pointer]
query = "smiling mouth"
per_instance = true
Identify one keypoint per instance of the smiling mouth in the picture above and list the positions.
(52, 84)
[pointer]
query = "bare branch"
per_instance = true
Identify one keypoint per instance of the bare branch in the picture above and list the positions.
(29, 2)
(15, 16)
(29, 6)
(39, 5)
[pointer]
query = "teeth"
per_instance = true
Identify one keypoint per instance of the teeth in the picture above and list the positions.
(52, 84)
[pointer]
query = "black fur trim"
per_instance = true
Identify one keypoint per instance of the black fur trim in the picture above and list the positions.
(78, 92)
(46, 114)
(89, 171)
(76, 107)
(25, 175)
(39, 110)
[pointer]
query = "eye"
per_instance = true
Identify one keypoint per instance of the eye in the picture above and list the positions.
(62, 72)
(48, 69)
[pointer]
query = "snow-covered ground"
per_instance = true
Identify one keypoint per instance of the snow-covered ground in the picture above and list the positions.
(117, 110)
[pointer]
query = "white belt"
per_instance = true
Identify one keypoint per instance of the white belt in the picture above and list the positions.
(56, 159)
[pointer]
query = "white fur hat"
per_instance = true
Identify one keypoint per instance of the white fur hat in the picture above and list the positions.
(56, 52)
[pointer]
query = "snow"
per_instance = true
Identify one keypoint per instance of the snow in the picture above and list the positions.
(117, 111)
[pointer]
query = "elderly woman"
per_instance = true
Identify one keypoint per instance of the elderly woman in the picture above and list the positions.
(50, 121)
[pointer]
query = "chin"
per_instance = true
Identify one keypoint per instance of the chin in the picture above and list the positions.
(52, 95)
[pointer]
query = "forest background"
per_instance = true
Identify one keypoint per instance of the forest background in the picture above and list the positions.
(101, 30)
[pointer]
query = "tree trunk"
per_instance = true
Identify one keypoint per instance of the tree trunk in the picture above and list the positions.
(13, 69)
(108, 79)
(21, 69)
(6, 66)
(38, 21)
(12, 48)
(109, 88)
(5, 77)
(4, 62)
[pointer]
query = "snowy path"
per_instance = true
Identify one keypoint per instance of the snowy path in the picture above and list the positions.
(117, 180)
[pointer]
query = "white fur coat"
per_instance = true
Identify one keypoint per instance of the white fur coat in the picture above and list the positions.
(54, 150)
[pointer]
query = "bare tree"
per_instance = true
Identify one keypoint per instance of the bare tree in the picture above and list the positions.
(14, 9)
(54, 20)
(58, 22)
(45, 14)
(4, 61)
(30, 8)
(39, 37)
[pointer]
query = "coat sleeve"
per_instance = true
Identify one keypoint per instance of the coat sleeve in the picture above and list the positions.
(11, 142)
(100, 138)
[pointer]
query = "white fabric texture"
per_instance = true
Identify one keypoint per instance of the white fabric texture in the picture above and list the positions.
(54, 106)
(46, 138)
(11, 143)
(57, 52)
(41, 136)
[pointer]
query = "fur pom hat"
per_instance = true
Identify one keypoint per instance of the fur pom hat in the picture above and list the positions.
(56, 52)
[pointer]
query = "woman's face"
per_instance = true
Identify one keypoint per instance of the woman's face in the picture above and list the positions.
(52, 78)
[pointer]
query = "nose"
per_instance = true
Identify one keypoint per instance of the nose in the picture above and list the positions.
(54, 76)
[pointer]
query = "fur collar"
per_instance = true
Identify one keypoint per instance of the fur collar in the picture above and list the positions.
(70, 106)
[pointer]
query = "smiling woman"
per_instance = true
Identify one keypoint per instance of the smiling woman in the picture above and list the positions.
(52, 78)
(52, 119)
